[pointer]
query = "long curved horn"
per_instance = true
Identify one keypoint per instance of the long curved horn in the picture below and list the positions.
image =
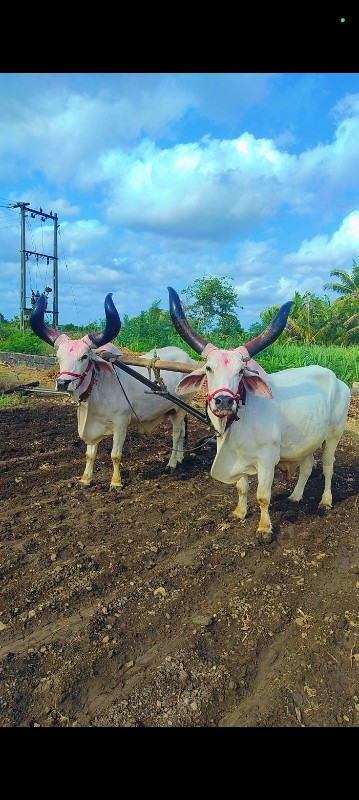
(112, 329)
(198, 343)
(271, 333)
(38, 323)
(113, 324)
(194, 339)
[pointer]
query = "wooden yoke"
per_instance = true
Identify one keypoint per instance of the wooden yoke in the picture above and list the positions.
(136, 361)
(156, 364)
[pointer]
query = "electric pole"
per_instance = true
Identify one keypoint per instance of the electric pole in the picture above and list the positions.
(24, 308)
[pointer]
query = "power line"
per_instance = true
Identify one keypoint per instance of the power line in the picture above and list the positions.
(26, 254)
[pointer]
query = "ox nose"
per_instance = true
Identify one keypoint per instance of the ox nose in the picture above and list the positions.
(224, 402)
(62, 385)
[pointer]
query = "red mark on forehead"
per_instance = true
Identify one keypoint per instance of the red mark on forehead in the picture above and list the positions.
(224, 358)
(77, 346)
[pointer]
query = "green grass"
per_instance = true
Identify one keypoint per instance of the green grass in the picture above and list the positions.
(9, 400)
(342, 360)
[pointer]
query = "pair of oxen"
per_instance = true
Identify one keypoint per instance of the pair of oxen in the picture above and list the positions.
(260, 420)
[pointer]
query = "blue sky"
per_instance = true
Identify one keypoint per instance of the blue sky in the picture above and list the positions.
(161, 178)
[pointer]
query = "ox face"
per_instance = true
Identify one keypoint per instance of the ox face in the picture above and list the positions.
(227, 373)
(77, 360)
(78, 364)
(224, 373)
(75, 366)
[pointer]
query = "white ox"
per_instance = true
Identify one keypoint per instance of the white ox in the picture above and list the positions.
(108, 399)
(286, 415)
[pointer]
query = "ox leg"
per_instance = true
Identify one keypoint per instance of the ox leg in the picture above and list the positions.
(264, 490)
(116, 455)
(179, 432)
(329, 448)
(305, 471)
(242, 488)
(91, 451)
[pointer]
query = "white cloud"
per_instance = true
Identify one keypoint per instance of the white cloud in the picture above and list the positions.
(160, 178)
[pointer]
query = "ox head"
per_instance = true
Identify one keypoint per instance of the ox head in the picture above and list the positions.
(226, 370)
(78, 358)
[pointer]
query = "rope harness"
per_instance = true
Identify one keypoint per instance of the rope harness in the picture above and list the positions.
(82, 375)
(239, 397)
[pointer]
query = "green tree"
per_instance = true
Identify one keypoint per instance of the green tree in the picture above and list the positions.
(152, 328)
(312, 320)
(212, 303)
(348, 287)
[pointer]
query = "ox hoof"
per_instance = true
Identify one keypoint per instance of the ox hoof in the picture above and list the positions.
(85, 484)
(239, 515)
(176, 472)
(265, 537)
(325, 507)
(116, 487)
(326, 502)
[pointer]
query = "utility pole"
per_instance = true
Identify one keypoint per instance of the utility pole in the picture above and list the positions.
(24, 309)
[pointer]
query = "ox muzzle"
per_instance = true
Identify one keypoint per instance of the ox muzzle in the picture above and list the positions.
(223, 402)
(64, 383)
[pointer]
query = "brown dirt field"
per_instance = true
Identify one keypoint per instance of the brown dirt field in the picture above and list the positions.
(155, 607)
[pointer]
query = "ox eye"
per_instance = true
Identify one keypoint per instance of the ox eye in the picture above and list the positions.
(84, 358)
(208, 369)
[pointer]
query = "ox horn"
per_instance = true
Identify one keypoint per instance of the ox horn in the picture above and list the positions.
(271, 333)
(38, 324)
(113, 325)
(198, 343)
(194, 339)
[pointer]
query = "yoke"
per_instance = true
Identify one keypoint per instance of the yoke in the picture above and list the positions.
(155, 387)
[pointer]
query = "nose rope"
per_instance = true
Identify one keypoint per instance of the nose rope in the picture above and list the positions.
(210, 397)
(81, 375)
(233, 415)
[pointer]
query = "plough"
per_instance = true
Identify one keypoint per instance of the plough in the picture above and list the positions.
(26, 388)
(22, 387)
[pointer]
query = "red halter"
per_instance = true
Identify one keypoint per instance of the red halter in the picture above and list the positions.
(237, 396)
(82, 376)
(241, 395)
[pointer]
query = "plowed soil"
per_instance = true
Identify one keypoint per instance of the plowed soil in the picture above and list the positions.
(155, 607)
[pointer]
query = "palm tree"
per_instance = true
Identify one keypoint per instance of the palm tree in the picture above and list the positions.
(349, 289)
(310, 318)
(350, 283)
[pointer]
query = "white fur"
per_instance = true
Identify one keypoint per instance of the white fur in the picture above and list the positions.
(118, 399)
(309, 409)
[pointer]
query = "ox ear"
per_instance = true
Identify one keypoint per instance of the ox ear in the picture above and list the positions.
(191, 382)
(101, 364)
(256, 385)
